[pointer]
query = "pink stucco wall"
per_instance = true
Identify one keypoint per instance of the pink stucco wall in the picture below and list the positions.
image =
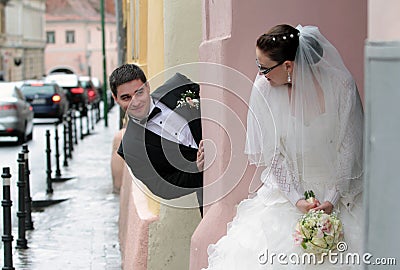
(344, 24)
(231, 42)
(87, 49)
(383, 28)
(134, 221)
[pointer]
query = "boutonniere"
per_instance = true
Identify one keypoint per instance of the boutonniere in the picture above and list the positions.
(190, 99)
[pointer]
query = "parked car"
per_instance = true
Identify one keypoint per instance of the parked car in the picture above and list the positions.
(92, 92)
(76, 94)
(110, 99)
(99, 86)
(16, 114)
(47, 99)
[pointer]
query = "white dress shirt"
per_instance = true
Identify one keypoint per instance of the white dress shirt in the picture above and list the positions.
(170, 125)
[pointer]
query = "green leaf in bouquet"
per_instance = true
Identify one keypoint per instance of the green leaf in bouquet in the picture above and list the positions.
(309, 194)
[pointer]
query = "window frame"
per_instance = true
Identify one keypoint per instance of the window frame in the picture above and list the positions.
(50, 34)
(70, 36)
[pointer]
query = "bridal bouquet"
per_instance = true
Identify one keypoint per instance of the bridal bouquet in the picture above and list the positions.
(317, 232)
(190, 99)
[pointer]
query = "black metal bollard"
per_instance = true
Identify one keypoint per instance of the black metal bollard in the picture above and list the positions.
(28, 198)
(7, 237)
(67, 144)
(65, 164)
(57, 152)
(22, 243)
(81, 125)
(74, 127)
(92, 116)
(87, 124)
(58, 177)
(70, 135)
(96, 116)
(48, 157)
(98, 112)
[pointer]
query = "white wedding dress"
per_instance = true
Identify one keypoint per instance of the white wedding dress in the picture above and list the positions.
(264, 225)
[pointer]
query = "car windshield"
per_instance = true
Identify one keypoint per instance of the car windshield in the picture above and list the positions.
(63, 80)
(85, 84)
(6, 91)
(34, 90)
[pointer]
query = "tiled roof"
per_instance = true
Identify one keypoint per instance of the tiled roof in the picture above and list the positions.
(76, 10)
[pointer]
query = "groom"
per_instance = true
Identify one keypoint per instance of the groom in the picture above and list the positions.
(162, 142)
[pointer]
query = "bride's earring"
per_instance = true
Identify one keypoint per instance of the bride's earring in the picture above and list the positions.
(289, 79)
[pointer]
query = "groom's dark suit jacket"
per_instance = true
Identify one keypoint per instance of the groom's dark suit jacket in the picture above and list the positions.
(167, 168)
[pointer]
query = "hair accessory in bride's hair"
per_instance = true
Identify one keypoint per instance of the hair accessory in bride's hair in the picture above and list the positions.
(284, 36)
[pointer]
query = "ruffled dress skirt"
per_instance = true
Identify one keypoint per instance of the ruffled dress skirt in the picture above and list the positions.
(263, 229)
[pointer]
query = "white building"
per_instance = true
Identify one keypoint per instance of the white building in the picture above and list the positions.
(22, 39)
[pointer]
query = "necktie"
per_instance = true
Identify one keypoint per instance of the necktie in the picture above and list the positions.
(153, 113)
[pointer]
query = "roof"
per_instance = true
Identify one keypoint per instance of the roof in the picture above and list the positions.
(88, 10)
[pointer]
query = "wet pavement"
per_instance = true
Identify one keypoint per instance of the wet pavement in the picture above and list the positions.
(82, 231)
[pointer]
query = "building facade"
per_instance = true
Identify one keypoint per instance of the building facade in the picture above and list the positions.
(74, 37)
(22, 39)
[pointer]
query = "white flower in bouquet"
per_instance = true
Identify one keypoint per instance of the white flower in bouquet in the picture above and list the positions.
(190, 99)
(317, 232)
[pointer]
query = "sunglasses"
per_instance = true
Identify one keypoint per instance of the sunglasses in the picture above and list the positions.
(264, 70)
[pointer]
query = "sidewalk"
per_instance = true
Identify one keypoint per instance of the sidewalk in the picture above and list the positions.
(81, 232)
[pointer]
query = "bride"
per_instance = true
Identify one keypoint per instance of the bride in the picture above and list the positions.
(305, 125)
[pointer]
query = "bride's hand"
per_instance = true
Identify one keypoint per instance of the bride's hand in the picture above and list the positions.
(305, 206)
(327, 207)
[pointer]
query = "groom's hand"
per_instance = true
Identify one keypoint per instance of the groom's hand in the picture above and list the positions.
(200, 157)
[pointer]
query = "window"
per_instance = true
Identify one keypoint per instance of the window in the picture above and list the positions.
(89, 36)
(51, 37)
(70, 37)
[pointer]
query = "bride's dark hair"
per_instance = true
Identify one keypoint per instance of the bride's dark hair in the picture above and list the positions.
(280, 43)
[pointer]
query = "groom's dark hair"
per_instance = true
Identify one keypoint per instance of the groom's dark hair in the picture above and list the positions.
(124, 74)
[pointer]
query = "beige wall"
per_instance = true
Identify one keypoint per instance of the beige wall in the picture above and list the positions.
(182, 28)
(168, 34)
(136, 14)
(145, 35)
(173, 43)
(155, 42)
